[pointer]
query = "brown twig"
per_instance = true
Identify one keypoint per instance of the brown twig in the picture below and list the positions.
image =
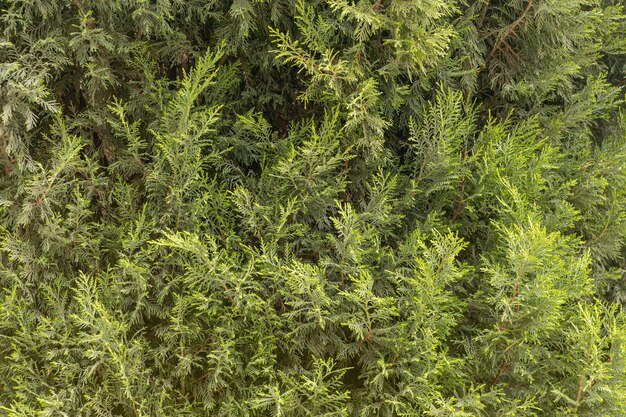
(205, 344)
(503, 367)
(502, 327)
(581, 386)
(370, 329)
(346, 197)
(84, 11)
(79, 5)
(483, 10)
(7, 162)
(510, 30)
(511, 50)
(506, 363)
(461, 202)
(579, 395)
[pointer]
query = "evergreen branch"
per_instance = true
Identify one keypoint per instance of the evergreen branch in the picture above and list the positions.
(228, 254)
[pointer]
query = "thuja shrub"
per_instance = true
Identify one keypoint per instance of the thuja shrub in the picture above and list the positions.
(312, 208)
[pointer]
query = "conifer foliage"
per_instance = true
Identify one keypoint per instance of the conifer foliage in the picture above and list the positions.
(284, 208)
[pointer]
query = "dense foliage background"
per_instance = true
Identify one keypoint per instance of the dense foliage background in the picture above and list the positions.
(312, 208)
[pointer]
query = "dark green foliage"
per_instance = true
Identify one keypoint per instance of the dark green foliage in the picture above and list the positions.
(312, 208)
